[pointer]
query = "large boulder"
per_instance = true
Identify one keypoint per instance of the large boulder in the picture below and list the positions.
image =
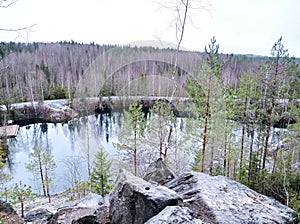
(174, 214)
(103, 214)
(8, 215)
(134, 200)
(158, 172)
(218, 199)
(83, 210)
(38, 216)
(74, 215)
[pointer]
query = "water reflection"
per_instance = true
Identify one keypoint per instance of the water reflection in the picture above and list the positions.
(66, 142)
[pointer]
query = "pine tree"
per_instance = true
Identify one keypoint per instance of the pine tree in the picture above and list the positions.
(160, 129)
(42, 164)
(20, 193)
(247, 95)
(130, 137)
(101, 177)
(277, 69)
(211, 72)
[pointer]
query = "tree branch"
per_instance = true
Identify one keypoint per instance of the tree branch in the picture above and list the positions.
(18, 29)
(7, 3)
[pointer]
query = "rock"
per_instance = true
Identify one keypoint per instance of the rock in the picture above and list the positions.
(74, 215)
(218, 199)
(87, 220)
(8, 214)
(159, 172)
(40, 215)
(83, 210)
(58, 114)
(174, 214)
(103, 214)
(134, 200)
(91, 200)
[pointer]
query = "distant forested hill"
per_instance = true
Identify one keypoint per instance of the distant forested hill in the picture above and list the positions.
(37, 71)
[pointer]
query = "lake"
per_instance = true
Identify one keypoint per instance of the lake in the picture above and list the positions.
(65, 141)
(69, 143)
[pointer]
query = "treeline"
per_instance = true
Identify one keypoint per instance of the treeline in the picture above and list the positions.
(249, 133)
(40, 71)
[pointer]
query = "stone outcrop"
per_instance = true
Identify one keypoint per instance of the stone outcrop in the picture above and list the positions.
(190, 198)
(74, 215)
(174, 214)
(38, 216)
(8, 214)
(103, 214)
(83, 210)
(58, 114)
(218, 199)
(159, 172)
(48, 111)
(134, 200)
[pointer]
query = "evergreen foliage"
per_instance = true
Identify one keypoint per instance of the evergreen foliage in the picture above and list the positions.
(20, 193)
(42, 164)
(130, 137)
(101, 176)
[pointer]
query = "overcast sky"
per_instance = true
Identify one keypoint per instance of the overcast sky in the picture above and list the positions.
(240, 26)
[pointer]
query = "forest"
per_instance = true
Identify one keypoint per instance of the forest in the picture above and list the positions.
(242, 121)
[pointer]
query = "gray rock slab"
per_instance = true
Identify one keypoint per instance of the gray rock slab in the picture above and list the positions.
(174, 215)
(158, 172)
(74, 215)
(40, 215)
(218, 199)
(134, 200)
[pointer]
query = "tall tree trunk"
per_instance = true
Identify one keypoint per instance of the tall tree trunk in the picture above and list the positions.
(212, 159)
(250, 168)
(134, 152)
(42, 175)
(22, 208)
(160, 136)
(168, 142)
(270, 109)
(205, 130)
(243, 136)
(228, 160)
(88, 149)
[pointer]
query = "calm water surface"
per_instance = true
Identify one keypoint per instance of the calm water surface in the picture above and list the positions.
(65, 141)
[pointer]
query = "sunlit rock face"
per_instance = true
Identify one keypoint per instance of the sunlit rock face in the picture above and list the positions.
(218, 199)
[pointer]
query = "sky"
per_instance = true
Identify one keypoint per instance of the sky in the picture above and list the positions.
(239, 26)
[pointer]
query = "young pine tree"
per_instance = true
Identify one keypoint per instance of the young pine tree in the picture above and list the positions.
(277, 69)
(42, 164)
(20, 193)
(129, 138)
(204, 90)
(161, 129)
(101, 177)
